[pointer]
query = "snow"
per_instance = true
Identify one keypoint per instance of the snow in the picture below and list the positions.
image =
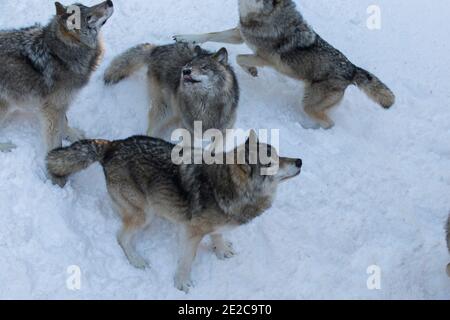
(374, 189)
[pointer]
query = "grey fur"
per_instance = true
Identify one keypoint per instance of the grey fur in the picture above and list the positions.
(128, 63)
(281, 38)
(176, 100)
(49, 65)
(203, 200)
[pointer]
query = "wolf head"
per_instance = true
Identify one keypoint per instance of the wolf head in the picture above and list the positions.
(206, 72)
(260, 165)
(254, 182)
(81, 23)
(249, 7)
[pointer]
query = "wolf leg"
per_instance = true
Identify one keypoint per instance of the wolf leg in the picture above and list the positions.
(159, 111)
(318, 99)
(249, 62)
(134, 221)
(223, 249)
(4, 147)
(53, 117)
(189, 242)
(232, 36)
(53, 127)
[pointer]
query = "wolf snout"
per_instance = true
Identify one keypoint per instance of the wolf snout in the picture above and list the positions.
(299, 163)
(187, 72)
(109, 3)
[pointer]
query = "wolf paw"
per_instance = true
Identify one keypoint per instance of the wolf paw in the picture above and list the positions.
(183, 284)
(7, 147)
(139, 263)
(309, 123)
(253, 71)
(327, 125)
(225, 251)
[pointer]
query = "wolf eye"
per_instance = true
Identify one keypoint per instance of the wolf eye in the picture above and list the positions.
(204, 68)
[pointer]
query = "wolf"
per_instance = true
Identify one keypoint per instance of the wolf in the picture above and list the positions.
(186, 84)
(46, 66)
(143, 182)
(281, 38)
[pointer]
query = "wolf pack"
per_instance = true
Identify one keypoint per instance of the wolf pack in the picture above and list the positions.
(46, 66)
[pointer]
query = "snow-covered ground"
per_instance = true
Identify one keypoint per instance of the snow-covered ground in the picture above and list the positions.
(375, 189)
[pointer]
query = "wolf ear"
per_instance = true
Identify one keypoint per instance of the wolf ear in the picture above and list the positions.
(60, 9)
(221, 56)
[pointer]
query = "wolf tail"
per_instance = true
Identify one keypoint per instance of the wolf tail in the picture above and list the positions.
(63, 162)
(128, 63)
(374, 88)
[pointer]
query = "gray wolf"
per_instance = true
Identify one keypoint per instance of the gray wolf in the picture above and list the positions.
(47, 66)
(281, 38)
(186, 84)
(143, 182)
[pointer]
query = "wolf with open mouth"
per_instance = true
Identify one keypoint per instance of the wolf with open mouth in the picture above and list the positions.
(186, 84)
